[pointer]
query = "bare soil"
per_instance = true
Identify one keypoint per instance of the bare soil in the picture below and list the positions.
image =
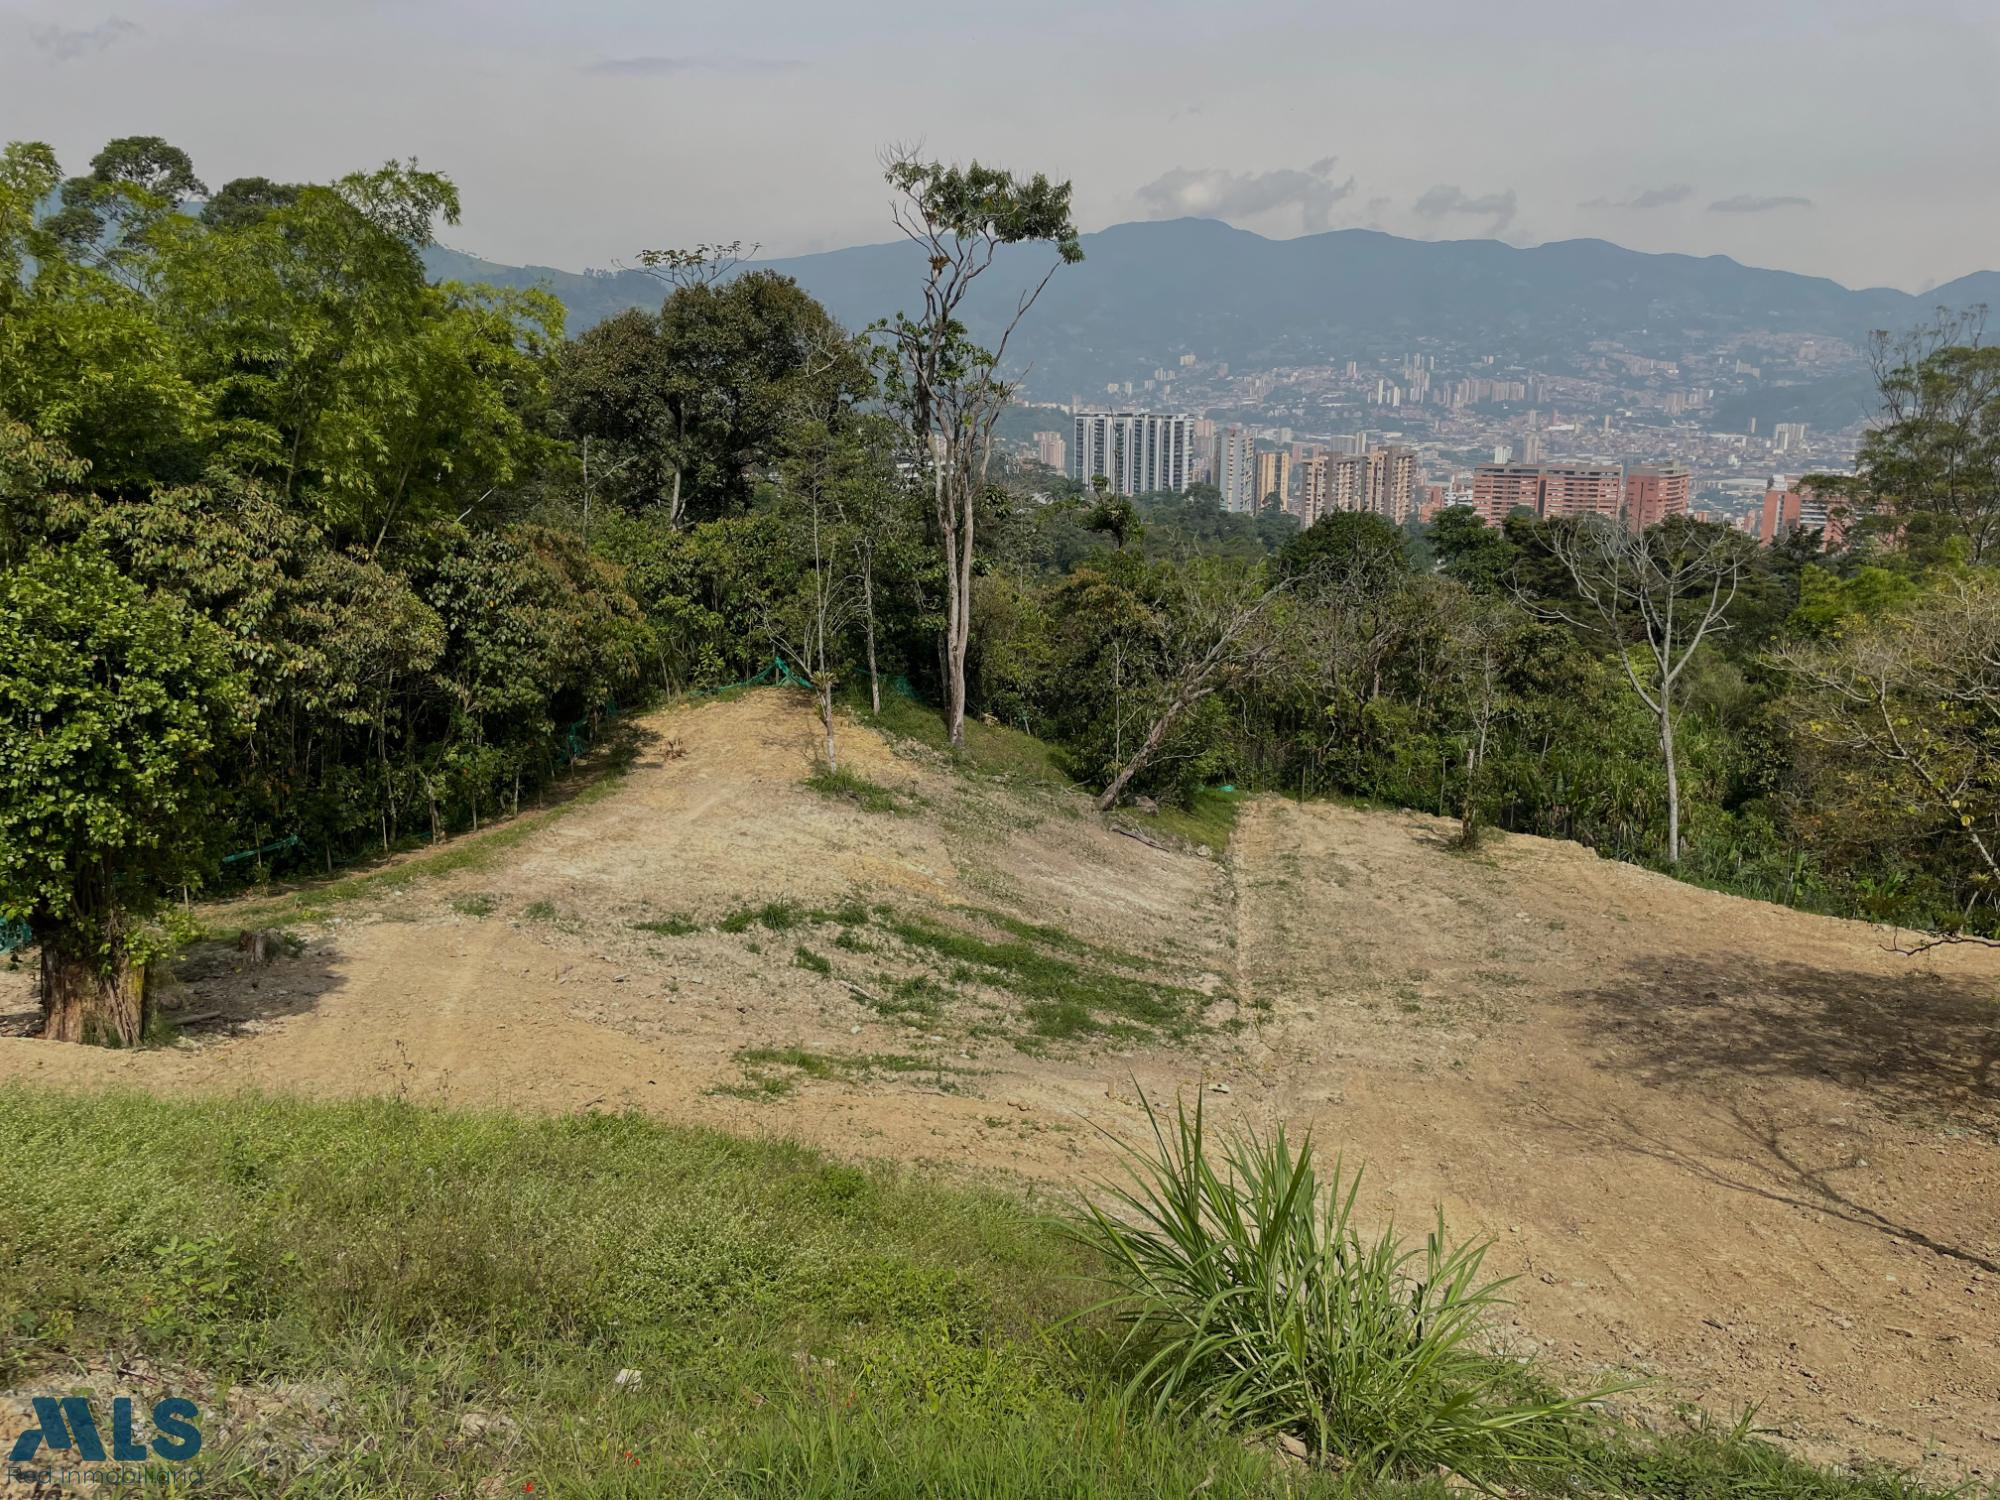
(1751, 1154)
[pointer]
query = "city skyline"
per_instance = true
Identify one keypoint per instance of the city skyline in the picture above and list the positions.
(1714, 129)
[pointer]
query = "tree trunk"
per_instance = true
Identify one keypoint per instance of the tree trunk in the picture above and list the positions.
(868, 611)
(83, 1003)
(1181, 703)
(1673, 785)
(1465, 815)
(826, 721)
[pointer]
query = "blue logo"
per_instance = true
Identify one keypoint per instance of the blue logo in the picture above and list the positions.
(66, 1425)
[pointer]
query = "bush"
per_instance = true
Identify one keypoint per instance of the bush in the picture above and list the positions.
(1248, 1294)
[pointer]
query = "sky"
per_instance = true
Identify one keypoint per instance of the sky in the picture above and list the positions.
(1844, 139)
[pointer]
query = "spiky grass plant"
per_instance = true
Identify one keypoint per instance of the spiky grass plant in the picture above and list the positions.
(1248, 1293)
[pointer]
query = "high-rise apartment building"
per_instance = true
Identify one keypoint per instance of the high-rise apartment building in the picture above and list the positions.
(1234, 471)
(1787, 510)
(1140, 453)
(1498, 490)
(1653, 492)
(1052, 450)
(1382, 480)
(1392, 484)
(1583, 490)
(1274, 477)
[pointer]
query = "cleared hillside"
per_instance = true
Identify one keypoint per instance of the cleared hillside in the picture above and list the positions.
(1749, 1152)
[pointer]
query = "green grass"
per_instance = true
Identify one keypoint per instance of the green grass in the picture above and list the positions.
(674, 925)
(805, 958)
(477, 904)
(990, 749)
(1066, 999)
(802, 1327)
(1208, 820)
(869, 796)
(760, 1081)
(778, 916)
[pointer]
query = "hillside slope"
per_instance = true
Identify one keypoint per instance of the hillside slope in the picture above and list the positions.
(1751, 1153)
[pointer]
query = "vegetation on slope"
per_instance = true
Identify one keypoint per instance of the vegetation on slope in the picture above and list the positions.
(395, 1300)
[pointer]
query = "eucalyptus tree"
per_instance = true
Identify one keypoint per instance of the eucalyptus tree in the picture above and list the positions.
(950, 390)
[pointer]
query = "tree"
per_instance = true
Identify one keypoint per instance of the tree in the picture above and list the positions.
(812, 622)
(869, 498)
(115, 708)
(1213, 632)
(133, 183)
(1479, 634)
(949, 389)
(1930, 470)
(1904, 702)
(1670, 587)
(698, 398)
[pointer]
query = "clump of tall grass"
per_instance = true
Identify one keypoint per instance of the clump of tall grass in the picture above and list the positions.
(1248, 1294)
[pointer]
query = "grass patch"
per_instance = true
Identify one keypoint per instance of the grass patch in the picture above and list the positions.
(1209, 820)
(669, 926)
(761, 1081)
(1065, 998)
(463, 1288)
(478, 904)
(990, 749)
(869, 796)
(805, 958)
(918, 1000)
(777, 916)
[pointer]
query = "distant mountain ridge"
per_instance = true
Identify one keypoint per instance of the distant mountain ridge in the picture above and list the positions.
(1149, 292)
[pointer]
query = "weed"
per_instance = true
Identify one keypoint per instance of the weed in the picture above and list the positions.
(805, 958)
(477, 904)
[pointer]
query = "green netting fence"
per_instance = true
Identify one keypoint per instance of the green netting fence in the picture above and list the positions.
(15, 935)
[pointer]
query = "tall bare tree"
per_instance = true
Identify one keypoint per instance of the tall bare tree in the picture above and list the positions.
(1478, 633)
(1667, 589)
(812, 625)
(949, 389)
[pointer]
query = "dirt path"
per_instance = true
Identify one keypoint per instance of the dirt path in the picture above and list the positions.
(1745, 1151)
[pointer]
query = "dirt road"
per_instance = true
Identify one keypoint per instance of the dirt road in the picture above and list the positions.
(1751, 1153)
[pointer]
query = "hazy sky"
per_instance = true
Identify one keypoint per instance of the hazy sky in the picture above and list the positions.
(1849, 139)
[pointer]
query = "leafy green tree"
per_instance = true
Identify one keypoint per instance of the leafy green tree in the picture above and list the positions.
(116, 708)
(949, 390)
(1929, 471)
(1900, 708)
(133, 183)
(1471, 552)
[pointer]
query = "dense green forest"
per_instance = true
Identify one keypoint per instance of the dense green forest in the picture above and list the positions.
(307, 555)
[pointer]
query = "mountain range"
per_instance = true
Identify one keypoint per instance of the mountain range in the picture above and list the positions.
(1147, 293)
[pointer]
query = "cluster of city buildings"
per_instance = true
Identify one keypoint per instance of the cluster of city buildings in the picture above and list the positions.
(1142, 452)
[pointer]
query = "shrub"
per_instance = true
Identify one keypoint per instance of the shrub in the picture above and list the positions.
(1248, 1293)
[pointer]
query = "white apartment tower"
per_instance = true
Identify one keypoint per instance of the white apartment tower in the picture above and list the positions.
(1140, 453)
